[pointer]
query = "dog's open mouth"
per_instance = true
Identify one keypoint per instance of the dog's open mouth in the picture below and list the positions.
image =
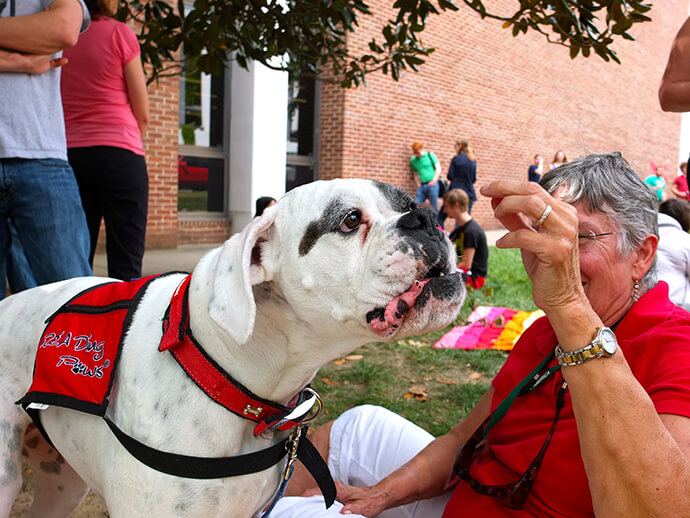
(385, 321)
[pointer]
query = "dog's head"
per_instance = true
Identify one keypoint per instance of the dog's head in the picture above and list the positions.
(355, 257)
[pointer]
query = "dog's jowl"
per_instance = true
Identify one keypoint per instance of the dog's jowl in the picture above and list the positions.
(171, 380)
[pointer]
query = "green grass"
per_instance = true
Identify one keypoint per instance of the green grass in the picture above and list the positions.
(452, 380)
(192, 200)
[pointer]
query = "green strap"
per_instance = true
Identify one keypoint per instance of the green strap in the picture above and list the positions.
(536, 377)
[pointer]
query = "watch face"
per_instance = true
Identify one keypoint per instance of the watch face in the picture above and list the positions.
(608, 341)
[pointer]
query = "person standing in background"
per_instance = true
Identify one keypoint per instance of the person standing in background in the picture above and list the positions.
(469, 239)
(679, 187)
(559, 158)
(106, 113)
(536, 169)
(39, 198)
(656, 181)
(426, 170)
(462, 174)
(263, 203)
(673, 254)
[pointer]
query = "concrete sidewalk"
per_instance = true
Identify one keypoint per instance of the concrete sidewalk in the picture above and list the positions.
(185, 257)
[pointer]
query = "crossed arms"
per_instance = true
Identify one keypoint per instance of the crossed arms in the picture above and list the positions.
(28, 42)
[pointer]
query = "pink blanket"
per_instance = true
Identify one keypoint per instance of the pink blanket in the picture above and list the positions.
(489, 328)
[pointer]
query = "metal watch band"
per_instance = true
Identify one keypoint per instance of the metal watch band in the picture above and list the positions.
(592, 350)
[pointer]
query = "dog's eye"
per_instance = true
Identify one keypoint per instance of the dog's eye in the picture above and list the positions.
(351, 221)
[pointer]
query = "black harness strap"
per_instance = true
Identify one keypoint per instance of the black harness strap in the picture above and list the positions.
(318, 469)
(199, 467)
(220, 467)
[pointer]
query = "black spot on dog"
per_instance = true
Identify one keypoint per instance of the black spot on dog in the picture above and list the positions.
(14, 441)
(32, 442)
(399, 199)
(54, 466)
(311, 235)
(10, 473)
(329, 221)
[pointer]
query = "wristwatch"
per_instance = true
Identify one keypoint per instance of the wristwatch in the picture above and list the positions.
(603, 345)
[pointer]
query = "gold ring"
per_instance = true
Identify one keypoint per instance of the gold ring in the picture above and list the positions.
(544, 215)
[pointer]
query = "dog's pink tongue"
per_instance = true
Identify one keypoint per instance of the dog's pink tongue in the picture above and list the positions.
(393, 316)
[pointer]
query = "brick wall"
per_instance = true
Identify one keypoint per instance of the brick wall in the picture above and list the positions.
(160, 146)
(160, 143)
(202, 232)
(512, 97)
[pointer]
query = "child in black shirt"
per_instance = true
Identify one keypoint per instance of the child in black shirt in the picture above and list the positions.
(469, 239)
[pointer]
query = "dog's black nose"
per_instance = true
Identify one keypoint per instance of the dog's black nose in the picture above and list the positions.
(422, 220)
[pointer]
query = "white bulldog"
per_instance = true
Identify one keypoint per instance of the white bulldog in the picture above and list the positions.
(332, 266)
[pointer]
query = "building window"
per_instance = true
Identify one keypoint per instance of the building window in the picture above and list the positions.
(202, 157)
(303, 132)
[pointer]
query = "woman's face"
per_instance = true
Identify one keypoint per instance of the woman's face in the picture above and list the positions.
(560, 156)
(607, 277)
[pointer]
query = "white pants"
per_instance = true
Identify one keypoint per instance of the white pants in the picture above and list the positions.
(366, 444)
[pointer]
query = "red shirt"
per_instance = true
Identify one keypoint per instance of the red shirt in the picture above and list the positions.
(681, 183)
(94, 90)
(655, 338)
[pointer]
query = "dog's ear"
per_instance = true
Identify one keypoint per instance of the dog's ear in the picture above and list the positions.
(240, 266)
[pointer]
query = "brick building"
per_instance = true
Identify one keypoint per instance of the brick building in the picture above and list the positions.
(216, 144)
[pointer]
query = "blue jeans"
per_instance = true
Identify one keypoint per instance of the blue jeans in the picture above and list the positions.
(41, 200)
(429, 192)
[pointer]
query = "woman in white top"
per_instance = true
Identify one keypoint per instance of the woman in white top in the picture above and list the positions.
(673, 254)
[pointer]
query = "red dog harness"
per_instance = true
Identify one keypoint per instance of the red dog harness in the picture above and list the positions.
(79, 349)
(77, 356)
(218, 385)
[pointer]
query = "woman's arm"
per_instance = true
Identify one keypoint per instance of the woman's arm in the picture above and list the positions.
(46, 32)
(674, 90)
(136, 92)
(635, 464)
(424, 476)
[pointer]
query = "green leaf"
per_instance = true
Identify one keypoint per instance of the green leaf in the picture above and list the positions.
(312, 35)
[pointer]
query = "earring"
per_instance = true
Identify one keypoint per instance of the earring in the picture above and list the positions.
(636, 291)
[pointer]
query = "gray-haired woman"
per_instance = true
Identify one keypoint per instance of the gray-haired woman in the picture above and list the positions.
(590, 415)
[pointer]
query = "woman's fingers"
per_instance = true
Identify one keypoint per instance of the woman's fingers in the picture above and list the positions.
(545, 229)
(367, 501)
(517, 205)
(525, 205)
